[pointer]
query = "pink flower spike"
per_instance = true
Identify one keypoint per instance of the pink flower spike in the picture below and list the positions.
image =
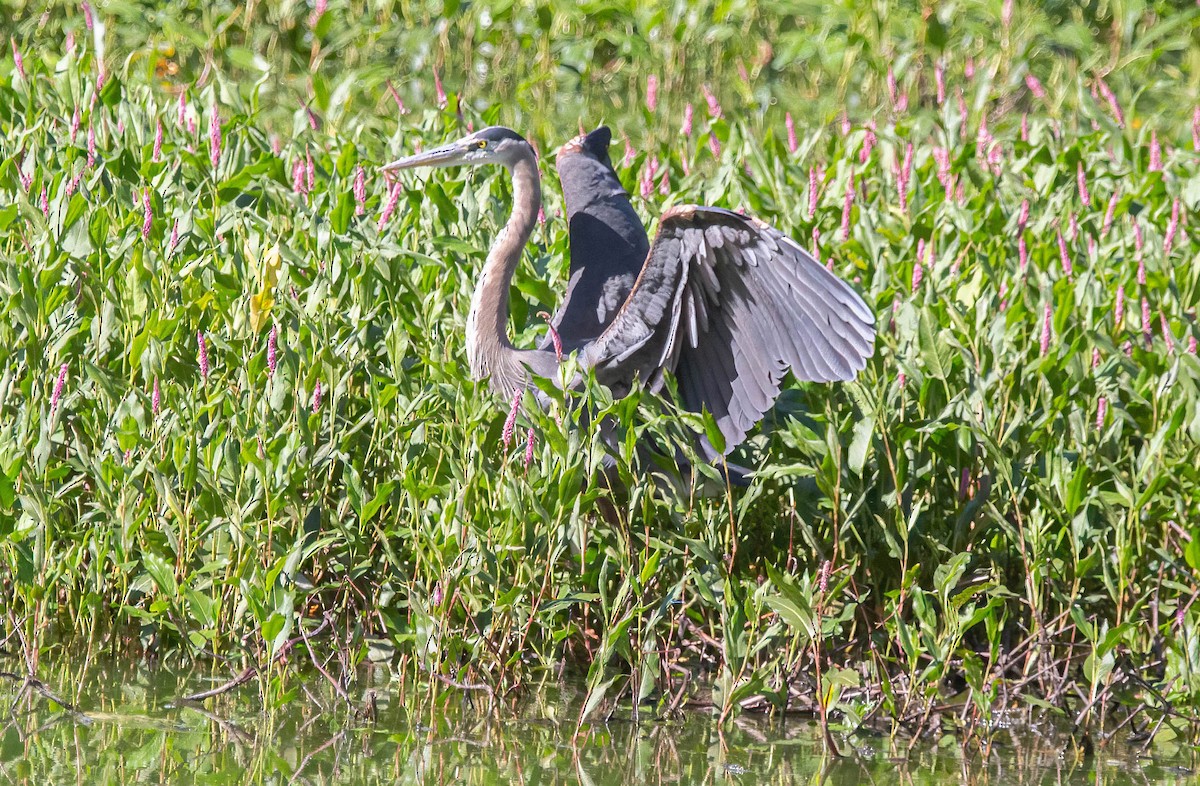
(962, 111)
(627, 159)
(1119, 307)
(529, 442)
(664, 183)
(1113, 104)
(686, 129)
(309, 171)
(1127, 348)
(845, 123)
(652, 92)
(1074, 224)
(360, 191)
(847, 204)
(714, 145)
(893, 92)
(45, 203)
(202, 354)
(70, 44)
(1024, 128)
(792, 144)
(1191, 347)
(439, 91)
(1166, 332)
(316, 401)
(714, 106)
(319, 9)
(816, 244)
(272, 350)
(1023, 253)
(1101, 410)
(1095, 357)
(1155, 152)
(1172, 228)
(969, 68)
(91, 146)
(214, 135)
(1138, 242)
(939, 72)
(182, 112)
(18, 61)
(393, 198)
(148, 215)
(61, 382)
(1196, 129)
(1081, 177)
(155, 398)
(868, 145)
(1110, 213)
(76, 118)
(1063, 255)
(158, 140)
(1146, 332)
(87, 14)
(1023, 216)
(1046, 329)
(174, 238)
(511, 421)
(1034, 86)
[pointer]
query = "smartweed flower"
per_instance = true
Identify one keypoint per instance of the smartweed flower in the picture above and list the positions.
(845, 123)
(1095, 357)
(70, 43)
(939, 72)
(868, 145)
(901, 379)
(1141, 272)
(174, 238)
(45, 203)
(714, 145)
(155, 398)
(905, 175)
(158, 139)
(686, 130)
(214, 135)
(319, 9)
(439, 90)
(893, 92)
(1113, 104)
(1110, 212)
(554, 337)
(1003, 295)
(316, 400)
(792, 144)
(56, 395)
(202, 354)
(630, 153)
(1155, 153)
(714, 106)
(272, 350)
(1035, 86)
(1024, 128)
(18, 61)
(147, 215)
(1023, 216)
(1022, 253)
(816, 244)
(529, 440)
(91, 146)
(1119, 307)
(1127, 348)
(298, 176)
(1191, 347)
(962, 111)
(1046, 330)
(76, 118)
(309, 172)
(1101, 410)
(823, 576)
(652, 92)
(511, 421)
(918, 271)
(1172, 228)
(664, 183)
(87, 14)
(1006, 14)
(1147, 334)
(1166, 332)
(182, 111)
(393, 198)
(969, 68)
(1138, 242)
(1081, 178)
(360, 191)
(1196, 129)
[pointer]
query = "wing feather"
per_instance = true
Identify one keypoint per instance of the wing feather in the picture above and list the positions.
(729, 305)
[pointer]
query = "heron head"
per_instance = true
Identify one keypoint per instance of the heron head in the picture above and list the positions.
(492, 145)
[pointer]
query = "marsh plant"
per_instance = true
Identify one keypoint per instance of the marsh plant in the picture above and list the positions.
(234, 407)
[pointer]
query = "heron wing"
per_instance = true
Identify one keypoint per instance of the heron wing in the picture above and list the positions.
(729, 305)
(608, 241)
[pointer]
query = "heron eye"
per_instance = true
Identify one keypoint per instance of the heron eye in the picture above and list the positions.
(482, 144)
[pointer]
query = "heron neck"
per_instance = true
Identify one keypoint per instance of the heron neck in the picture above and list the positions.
(489, 351)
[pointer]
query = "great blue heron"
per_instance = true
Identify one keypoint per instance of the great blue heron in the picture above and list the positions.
(725, 302)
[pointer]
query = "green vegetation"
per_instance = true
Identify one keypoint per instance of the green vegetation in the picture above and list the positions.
(1000, 515)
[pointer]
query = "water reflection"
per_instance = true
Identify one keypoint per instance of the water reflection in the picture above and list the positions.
(130, 730)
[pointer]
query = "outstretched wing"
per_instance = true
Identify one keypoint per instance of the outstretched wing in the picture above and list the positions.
(729, 305)
(608, 241)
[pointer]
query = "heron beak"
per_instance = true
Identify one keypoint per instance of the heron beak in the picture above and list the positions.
(446, 155)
